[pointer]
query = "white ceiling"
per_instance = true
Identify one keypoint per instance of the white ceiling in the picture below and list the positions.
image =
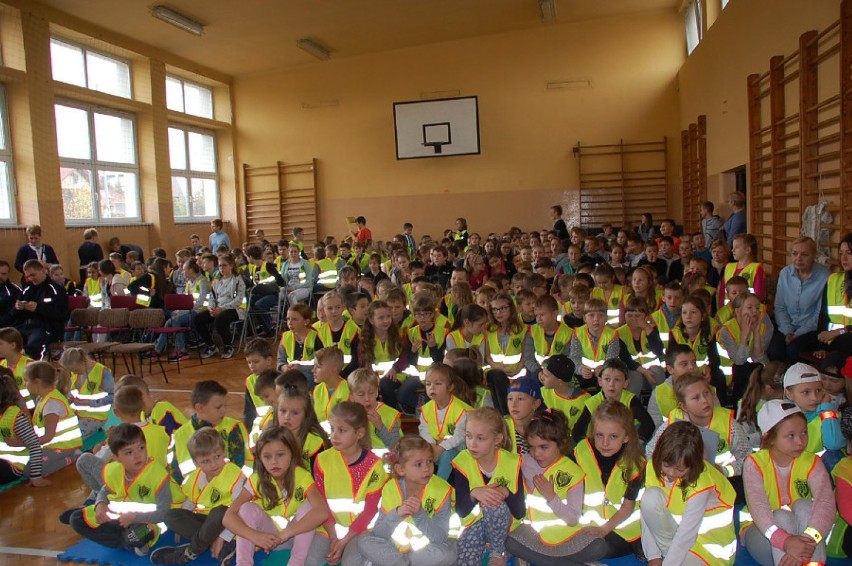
(257, 36)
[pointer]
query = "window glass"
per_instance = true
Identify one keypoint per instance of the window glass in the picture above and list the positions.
(114, 139)
(72, 132)
(80, 66)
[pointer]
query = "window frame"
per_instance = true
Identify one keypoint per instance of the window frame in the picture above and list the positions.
(183, 82)
(8, 156)
(693, 17)
(189, 173)
(96, 165)
(86, 49)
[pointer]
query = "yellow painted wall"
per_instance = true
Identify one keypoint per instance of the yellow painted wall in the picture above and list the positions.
(713, 79)
(526, 131)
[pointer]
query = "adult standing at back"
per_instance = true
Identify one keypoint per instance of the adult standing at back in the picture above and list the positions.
(41, 309)
(217, 236)
(736, 222)
(559, 225)
(35, 249)
(797, 303)
(89, 251)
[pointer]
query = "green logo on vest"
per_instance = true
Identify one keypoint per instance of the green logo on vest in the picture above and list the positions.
(574, 411)
(516, 342)
(702, 350)
(613, 302)
(803, 489)
(90, 387)
(451, 429)
(723, 445)
(144, 491)
(346, 343)
(309, 351)
(5, 432)
(557, 347)
(300, 494)
(429, 505)
(374, 478)
(215, 496)
(501, 481)
(563, 479)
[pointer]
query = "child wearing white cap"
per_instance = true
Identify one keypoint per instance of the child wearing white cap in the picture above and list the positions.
(790, 500)
(803, 386)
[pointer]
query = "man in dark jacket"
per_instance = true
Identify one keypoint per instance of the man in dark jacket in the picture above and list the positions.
(9, 293)
(41, 310)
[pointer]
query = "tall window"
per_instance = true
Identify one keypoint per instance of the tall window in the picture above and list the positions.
(692, 24)
(7, 177)
(77, 65)
(195, 183)
(98, 165)
(189, 98)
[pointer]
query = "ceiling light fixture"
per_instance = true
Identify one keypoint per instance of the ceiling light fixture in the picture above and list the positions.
(314, 48)
(177, 19)
(548, 10)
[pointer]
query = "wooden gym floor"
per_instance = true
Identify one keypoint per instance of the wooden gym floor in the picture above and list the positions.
(30, 531)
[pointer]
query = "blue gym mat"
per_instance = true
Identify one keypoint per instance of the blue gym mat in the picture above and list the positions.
(88, 552)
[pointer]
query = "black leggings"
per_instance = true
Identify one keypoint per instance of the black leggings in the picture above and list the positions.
(8, 474)
(203, 321)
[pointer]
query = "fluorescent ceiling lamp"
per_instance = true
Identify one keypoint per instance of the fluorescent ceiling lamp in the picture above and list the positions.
(177, 19)
(314, 48)
(548, 10)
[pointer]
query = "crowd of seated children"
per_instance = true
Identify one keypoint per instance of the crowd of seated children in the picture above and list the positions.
(565, 344)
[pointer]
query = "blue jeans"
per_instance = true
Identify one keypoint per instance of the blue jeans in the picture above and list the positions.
(184, 318)
(445, 463)
(402, 396)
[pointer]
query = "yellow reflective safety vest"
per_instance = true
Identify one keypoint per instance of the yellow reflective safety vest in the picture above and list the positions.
(839, 306)
(143, 297)
(601, 502)
(282, 513)
(571, 407)
(512, 356)
(461, 342)
(834, 547)
(312, 446)
(613, 302)
(424, 356)
(327, 273)
(194, 288)
(666, 398)
(448, 302)
(595, 356)
(389, 417)
(733, 327)
(137, 495)
(505, 474)
(439, 429)
(797, 486)
(662, 324)
(722, 423)
(18, 370)
(89, 389)
(217, 492)
(384, 359)
(560, 339)
(344, 501)
(565, 476)
(325, 401)
(260, 274)
(17, 456)
(68, 435)
(92, 288)
(182, 435)
(435, 496)
(311, 345)
(748, 273)
(157, 442)
(593, 402)
(260, 406)
(815, 444)
(349, 333)
(716, 542)
(162, 410)
(643, 356)
(725, 313)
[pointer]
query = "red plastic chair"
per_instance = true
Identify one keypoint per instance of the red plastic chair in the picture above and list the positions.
(123, 302)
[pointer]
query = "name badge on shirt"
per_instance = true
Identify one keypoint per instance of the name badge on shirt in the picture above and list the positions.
(47, 300)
